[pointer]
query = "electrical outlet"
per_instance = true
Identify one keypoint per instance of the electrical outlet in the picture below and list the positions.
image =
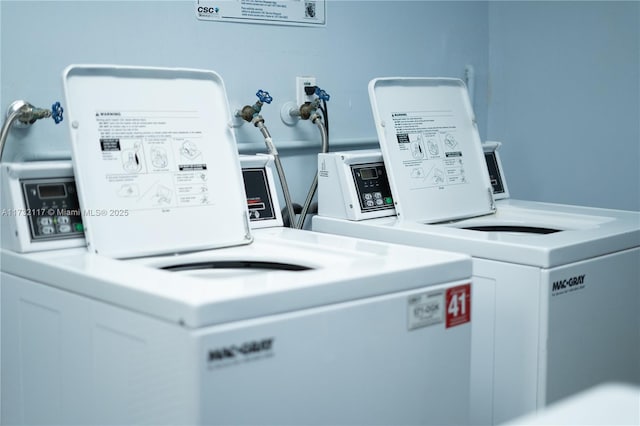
(301, 84)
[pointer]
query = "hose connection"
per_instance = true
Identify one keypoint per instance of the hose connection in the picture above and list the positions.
(23, 114)
(251, 114)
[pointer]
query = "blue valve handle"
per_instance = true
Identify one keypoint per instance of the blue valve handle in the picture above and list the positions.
(264, 96)
(56, 112)
(322, 94)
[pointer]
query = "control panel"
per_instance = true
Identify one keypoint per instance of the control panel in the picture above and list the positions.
(354, 185)
(52, 208)
(40, 208)
(259, 200)
(494, 167)
(494, 172)
(260, 189)
(372, 186)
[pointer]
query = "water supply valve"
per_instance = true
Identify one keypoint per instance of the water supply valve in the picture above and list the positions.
(23, 114)
(322, 95)
(56, 112)
(250, 113)
(308, 109)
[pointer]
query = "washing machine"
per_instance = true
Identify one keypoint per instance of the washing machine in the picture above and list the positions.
(556, 294)
(606, 404)
(134, 289)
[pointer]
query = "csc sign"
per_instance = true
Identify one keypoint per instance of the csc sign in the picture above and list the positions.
(209, 10)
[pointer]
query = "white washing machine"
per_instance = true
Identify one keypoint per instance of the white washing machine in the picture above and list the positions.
(556, 287)
(176, 312)
(602, 405)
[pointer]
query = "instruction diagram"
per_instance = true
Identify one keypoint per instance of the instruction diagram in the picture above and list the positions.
(132, 158)
(129, 190)
(159, 158)
(189, 151)
(428, 149)
(152, 159)
(158, 195)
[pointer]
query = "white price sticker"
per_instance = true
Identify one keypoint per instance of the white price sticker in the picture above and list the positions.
(425, 309)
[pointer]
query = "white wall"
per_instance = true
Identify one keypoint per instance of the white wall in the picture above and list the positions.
(362, 40)
(564, 99)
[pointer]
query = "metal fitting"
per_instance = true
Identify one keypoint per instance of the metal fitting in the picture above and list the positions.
(306, 109)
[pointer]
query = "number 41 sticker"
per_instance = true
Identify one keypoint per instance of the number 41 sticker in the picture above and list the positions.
(458, 302)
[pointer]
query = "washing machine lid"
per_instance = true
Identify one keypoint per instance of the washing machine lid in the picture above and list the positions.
(431, 148)
(155, 161)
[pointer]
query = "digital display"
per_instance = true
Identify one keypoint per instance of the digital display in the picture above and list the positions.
(51, 191)
(369, 173)
(372, 187)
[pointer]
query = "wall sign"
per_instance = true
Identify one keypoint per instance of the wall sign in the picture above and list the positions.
(287, 12)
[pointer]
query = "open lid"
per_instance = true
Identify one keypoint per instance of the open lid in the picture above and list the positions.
(431, 148)
(155, 162)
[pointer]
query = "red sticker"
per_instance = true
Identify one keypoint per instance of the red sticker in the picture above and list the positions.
(458, 302)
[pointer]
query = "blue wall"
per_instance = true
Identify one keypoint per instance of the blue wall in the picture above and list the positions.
(557, 82)
(564, 100)
(362, 40)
